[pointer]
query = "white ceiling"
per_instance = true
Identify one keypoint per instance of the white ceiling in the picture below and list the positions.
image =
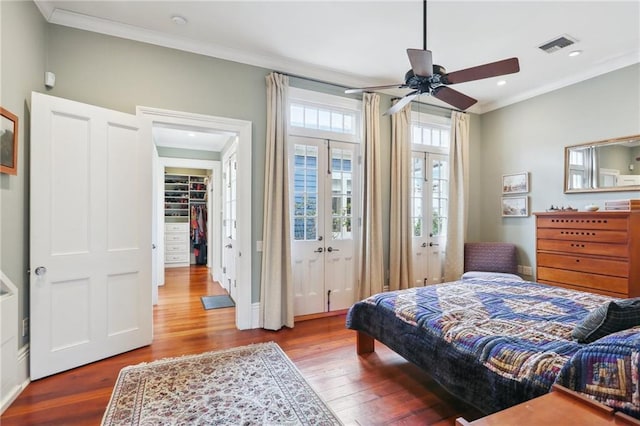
(363, 43)
(190, 138)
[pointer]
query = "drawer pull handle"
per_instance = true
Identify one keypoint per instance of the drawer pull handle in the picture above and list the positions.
(578, 260)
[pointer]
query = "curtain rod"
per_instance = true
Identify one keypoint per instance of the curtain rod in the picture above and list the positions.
(314, 80)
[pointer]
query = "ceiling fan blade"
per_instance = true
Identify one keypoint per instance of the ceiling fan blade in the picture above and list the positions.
(374, 88)
(421, 62)
(453, 97)
(493, 69)
(402, 102)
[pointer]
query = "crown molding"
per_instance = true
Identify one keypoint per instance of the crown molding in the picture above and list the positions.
(289, 66)
(606, 66)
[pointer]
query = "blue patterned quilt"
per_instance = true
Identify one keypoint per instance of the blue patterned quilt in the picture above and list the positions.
(498, 342)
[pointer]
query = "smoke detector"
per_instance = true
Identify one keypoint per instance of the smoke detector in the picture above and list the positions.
(558, 43)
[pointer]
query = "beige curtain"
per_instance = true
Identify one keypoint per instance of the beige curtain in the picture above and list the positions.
(400, 233)
(372, 270)
(276, 286)
(458, 196)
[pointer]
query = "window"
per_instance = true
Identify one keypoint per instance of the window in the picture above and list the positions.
(430, 136)
(578, 168)
(324, 116)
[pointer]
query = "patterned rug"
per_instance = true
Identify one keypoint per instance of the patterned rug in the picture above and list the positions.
(249, 385)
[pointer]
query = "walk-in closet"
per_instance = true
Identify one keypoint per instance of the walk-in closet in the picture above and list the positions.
(185, 216)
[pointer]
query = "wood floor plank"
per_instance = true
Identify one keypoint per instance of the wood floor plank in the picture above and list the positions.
(374, 389)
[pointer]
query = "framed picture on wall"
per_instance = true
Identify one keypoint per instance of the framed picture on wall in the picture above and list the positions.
(515, 206)
(516, 183)
(8, 142)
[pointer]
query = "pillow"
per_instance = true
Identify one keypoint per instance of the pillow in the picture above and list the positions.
(608, 318)
(489, 275)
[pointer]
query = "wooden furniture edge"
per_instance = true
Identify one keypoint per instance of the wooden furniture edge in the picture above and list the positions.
(588, 401)
(625, 418)
(460, 421)
(365, 344)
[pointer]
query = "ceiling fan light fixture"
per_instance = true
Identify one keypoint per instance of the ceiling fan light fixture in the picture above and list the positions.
(179, 20)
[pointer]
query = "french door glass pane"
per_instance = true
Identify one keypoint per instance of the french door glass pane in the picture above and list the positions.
(341, 187)
(305, 192)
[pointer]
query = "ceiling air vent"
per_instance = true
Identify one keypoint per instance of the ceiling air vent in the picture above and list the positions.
(558, 43)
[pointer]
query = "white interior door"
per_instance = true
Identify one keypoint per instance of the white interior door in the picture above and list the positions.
(324, 211)
(90, 235)
(429, 202)
(229, 221)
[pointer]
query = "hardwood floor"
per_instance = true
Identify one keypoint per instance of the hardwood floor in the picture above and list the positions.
(377, 389)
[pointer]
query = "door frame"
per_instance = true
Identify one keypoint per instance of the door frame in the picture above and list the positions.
(213, 205)
(148, 117)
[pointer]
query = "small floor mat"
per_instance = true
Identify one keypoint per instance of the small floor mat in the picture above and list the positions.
(215, 302)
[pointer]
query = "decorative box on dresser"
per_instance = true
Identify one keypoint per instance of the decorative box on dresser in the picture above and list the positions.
(597, 252)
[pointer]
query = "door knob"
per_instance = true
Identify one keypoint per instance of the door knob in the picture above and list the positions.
(319, 250)
(433, 244)
(41, 270)
(228, 246)
(330, 249)
(423, 245)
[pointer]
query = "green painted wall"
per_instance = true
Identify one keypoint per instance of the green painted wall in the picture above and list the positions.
(531, 136)
(23, 32)
(191, 154)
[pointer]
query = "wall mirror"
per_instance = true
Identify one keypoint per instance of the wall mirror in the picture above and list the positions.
(609, 165)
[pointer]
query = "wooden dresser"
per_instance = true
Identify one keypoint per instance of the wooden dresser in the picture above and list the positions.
(590, 251)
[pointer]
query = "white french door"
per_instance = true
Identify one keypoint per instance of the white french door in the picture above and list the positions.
(229, 220)
(429, 203)
(90, 235)
(325, 201)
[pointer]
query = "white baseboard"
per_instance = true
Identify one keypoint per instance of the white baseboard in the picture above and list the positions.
(256, 318)
(22, 379)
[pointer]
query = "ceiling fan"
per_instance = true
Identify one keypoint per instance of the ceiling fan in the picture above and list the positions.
(427, 77)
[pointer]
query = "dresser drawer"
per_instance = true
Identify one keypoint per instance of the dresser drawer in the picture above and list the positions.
(176, 227)
(594, 235)
(175, 258)
(176, 248)
(584, 279)
(583, 247)
(576, 222)
(587, 289)
(181, 237)
(616, 268)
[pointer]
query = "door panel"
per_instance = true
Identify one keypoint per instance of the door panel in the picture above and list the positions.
(90, 235)
(340, 277)
(429, 203)
(324, 211)
(307, 247)
(229, 221)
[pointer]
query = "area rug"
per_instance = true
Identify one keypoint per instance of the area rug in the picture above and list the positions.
(248, 385)
(215, 302)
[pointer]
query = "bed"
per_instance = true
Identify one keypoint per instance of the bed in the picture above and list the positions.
(494, 340)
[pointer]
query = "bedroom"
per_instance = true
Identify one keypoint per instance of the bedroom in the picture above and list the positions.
(508, 139)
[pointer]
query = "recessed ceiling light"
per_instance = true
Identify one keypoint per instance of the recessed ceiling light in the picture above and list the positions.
(501, 82)
(575, 53)
(193, 135)
(178, 20)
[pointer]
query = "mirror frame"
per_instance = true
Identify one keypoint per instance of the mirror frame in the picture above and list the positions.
(613, 141)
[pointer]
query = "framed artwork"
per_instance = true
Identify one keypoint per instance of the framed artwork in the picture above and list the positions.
(515, 206)
(516, 183)
(8, 142)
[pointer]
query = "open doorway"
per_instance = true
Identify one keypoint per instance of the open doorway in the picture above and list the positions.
(190, 145)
